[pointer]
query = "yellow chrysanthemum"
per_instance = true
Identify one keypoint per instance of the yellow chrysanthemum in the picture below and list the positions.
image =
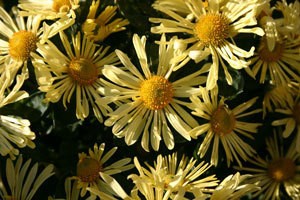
(211, 28)
(78, 71)
(49, 9)
(90, 167)
(100, 27)
(22, 181)
(150, 103)
(18, 40)
(276, 171)
(223, 125)
(278, 65)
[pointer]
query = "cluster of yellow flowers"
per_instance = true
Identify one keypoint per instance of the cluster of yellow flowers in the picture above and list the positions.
(150, 102)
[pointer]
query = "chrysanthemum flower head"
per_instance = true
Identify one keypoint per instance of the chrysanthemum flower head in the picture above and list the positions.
(79, 71)
(14, 131)
(223, 125)
(100, 27)
(23, 181)
(49, 9)
(19, 39)
(90, 166)
(277, 171)
(150, 102)
(276, 57)
(211, 28)
(277, 65)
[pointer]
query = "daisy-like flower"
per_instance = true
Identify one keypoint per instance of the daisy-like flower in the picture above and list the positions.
(277, 96)
(20, 39)
(170, 176)
(278, 65)
(151, 101)
(49, 9)
(90, 166)
(100, 27)
(79, 70)
(22, 181)
(211, 27)
(233, 187)
(291, 119)
(223, 125)
(275, 171)
(13, 130)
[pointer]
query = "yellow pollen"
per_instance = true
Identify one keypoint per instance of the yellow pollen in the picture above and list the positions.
(212, 29)
(21, 44)
(282, 169)
(270, 56)
(296, 113)
(222, 121)
(156, 92)
(61, 5)
(83, 71)
(88, 169)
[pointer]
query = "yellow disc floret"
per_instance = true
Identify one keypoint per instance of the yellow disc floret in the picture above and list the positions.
(212, 29)
(21, 44)
(282, 169)
(222, 121)
(83, 71)
(270, 56)
(61, 5)
(156, 92)
(88, 169)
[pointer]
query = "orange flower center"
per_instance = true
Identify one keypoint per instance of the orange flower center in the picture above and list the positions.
(222, 121)
(156, 92)
(88, 170)
(296, 113)
(270, 56)
(212, 29)
(282, 169)
(83, 71)
(61, 5)
(21, 44)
